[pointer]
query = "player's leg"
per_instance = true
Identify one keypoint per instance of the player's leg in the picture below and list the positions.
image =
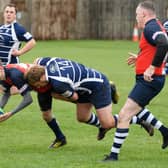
(129, 109)
(135, 120)
(45, 101)
(84, 114)
(106, 119)
(147, 116)
(139, 97)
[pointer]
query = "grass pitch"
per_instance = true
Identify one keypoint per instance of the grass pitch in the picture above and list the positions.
(24, 139)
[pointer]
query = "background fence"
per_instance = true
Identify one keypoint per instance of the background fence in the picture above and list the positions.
(80, 19)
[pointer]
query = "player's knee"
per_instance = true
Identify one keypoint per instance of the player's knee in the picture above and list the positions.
(47, 116)
(80, 119)
(110, 123)
(124, 117)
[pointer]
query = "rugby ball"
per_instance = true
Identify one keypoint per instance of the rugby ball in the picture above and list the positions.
(1, 111)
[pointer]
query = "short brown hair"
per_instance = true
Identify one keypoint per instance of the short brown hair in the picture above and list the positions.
(11, 5)
(34, 74)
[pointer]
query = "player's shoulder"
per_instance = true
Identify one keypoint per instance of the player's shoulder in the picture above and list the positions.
(21, 32)
(18, 68)
(152, 26)
(42, 61)
(18, 26)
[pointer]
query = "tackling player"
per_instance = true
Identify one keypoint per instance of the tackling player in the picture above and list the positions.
(85, 86)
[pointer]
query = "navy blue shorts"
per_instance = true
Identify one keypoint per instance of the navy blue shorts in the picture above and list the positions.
(143, 91)
(100, 96)
(44, 100)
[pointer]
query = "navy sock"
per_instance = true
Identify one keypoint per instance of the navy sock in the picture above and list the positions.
(56, 129)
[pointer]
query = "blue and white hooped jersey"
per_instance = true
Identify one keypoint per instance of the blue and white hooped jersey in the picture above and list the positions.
(67, 76)
(10, 38)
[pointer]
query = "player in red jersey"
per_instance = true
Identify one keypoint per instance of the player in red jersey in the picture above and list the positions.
(13, 74)
(149, 67)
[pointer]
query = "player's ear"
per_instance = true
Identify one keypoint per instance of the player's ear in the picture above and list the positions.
(43, 78)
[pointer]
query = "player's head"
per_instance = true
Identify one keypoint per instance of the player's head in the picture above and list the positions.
(10, 11)
(35, 76)
(144, 12)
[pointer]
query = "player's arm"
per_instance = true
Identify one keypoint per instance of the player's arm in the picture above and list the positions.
(27, 100)
(74, 96)
(64, 89)
(70, 95)
(131, 59)
(4, 99)
(60, 97)
(23, 35)
(162, 48)
(27, 47)
(156, 37)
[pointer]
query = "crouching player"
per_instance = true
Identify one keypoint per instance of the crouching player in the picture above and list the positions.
(82, 85)
(13, 74)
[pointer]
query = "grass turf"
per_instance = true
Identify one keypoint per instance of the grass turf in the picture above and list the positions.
(25, 137)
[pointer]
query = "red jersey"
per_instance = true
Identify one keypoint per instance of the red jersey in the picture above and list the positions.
(22, 67)
(148, 49)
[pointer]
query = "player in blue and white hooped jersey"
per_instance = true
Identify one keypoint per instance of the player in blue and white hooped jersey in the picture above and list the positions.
(11, 36)
(85, 86)
(88, 87)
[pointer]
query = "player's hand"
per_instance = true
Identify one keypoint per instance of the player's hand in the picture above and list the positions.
(148, 73)
(5, 116)
(14, 90)
(131, 59)
(16, 52)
